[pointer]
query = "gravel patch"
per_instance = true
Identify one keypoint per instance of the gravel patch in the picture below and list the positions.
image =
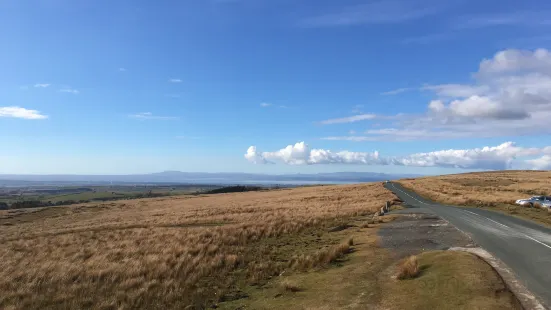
(417, 231)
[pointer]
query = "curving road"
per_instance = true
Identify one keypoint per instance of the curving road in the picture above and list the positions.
(523, 245)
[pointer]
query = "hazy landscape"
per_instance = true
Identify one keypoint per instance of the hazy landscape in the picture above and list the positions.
(29, 191)
(200, 178)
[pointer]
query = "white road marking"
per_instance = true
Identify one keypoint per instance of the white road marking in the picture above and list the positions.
(478, 215)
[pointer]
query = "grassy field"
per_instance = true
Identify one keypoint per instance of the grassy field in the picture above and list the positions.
(303, 248)
(492, 190)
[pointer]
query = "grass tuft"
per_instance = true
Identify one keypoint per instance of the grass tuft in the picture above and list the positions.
(408, 269)
(290, 286)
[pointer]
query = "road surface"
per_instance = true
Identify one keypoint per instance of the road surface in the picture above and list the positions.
(523, 245)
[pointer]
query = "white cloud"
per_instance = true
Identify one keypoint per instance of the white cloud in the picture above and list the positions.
(517, 60)
(483, 107)
(122, 69)
(301, 154)
(491, 158)
(510, 96)
(542, 163)
(175, 81)
(456, 90)
(41, 85)
(69, 90)
(149, 115)
(265, 104)
(253, 156)
(350, 119)
(18, 112)
(504, 156)
(377, 12)
(397, 91)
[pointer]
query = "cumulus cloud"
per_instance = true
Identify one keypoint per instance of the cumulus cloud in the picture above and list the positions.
(265, 104)
(18, 112)
(302, 154)
(510, 96)
(517, 60)
(253, 156)
(41, 85)
(542, 163)
(350, 119)
(504, 156)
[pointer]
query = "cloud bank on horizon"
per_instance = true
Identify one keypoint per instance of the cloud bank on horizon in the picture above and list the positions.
(504, 156)
(511, 96)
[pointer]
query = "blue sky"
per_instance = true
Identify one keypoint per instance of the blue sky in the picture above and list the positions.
(97, 87)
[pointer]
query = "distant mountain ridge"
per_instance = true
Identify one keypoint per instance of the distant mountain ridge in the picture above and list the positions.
(203, 177)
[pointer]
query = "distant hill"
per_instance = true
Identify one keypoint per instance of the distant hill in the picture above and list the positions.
(203, 178)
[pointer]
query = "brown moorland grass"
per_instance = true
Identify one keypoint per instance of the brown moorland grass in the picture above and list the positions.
(449, 280)
(446, 280)
(171, 252)
(408, 269)
(496, 190)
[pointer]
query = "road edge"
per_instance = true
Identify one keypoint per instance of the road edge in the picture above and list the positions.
(526, 299)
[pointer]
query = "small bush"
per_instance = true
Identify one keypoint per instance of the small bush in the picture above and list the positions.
(409, 268)
(350, 242)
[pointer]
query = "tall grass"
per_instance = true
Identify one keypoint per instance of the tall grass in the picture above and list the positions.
(166, 252)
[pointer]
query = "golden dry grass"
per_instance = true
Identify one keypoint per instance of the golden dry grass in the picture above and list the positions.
(449, 280)
(166, 252)
(498, 190)
(408, 269)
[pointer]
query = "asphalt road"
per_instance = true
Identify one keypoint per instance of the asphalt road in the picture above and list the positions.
(523, 245)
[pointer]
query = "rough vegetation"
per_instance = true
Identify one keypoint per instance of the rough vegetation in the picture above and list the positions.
(173, 252)
(495, 190)
(449, 280)
(408, 269)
